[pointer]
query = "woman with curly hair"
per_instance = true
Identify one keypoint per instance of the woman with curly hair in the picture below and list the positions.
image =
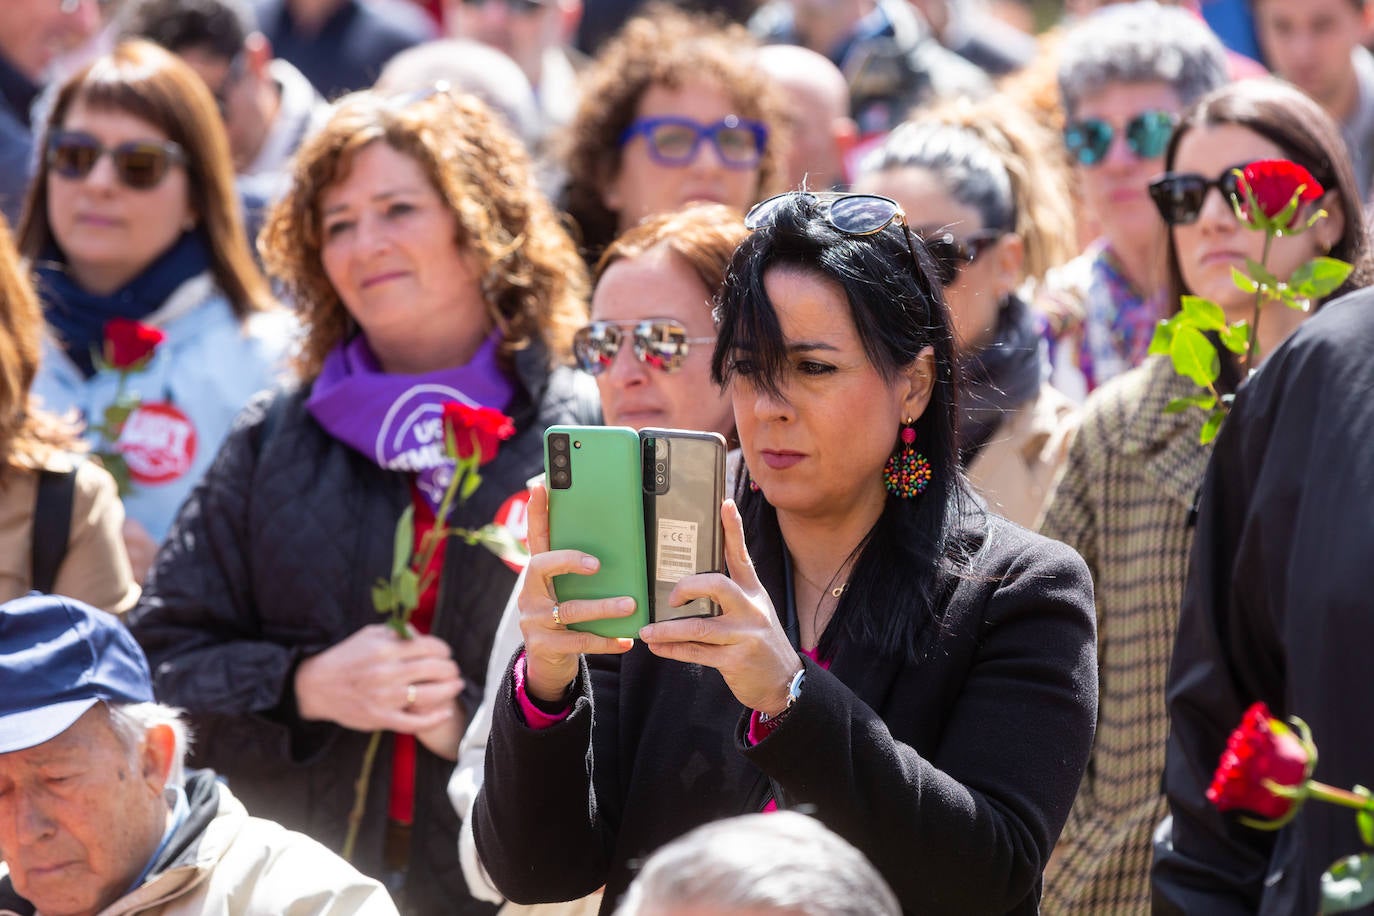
(427, 269)
(60, 517)
(672, 112)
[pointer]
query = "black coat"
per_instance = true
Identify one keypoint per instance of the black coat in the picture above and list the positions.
(954, 775)
(271, 560)
(1278, 608)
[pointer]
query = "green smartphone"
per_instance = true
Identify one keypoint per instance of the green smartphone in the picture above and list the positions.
(596, 505)
(684, 486)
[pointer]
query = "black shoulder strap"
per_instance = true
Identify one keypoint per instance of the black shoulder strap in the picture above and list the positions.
(52, 525)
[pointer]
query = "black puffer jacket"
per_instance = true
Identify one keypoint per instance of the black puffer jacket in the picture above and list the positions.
(271, 560)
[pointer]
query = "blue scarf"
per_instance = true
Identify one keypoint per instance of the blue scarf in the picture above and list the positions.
(78, 317)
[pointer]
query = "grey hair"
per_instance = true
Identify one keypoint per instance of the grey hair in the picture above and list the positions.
(781, 861)
(470, 67)
(131, 722)
(959, 159)
(1140, 42)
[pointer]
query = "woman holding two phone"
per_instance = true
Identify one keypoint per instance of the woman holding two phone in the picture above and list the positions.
(917, 672)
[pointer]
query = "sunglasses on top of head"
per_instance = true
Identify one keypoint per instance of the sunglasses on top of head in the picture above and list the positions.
(1180, 196)
(857, 215)
(1147, 135)
(139, 164)
(674, 141)
(661, 343)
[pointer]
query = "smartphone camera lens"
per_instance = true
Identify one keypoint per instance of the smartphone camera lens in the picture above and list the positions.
(558, 443)
(660, 479)
(560, 460)
(561, 480)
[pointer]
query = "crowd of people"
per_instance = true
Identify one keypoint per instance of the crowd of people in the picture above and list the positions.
(993, 595)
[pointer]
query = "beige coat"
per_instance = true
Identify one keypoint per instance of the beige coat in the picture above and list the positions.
(1016, 469)
(1124, 503)
(96, 567)
(246, 866)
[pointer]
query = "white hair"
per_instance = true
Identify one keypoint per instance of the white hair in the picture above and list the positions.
(131, 722)
(781, 861)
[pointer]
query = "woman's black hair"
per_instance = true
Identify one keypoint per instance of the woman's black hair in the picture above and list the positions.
(898, 310)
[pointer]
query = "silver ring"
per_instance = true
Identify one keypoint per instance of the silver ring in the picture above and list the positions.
(411, 693)
(557, 621)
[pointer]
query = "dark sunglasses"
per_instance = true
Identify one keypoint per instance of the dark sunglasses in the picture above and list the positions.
(658, 342)
(1179, 196)
(952, 254)
(1147, 135)
(853, 214)
(674, 141)
(139, 164)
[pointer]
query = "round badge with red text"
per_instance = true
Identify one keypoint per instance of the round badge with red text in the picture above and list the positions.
(158, 443)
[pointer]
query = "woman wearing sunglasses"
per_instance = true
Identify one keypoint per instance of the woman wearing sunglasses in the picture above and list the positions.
(979, 223)
(1126, 497)
(1125, 74)
(649, 347)
(427, 269)
(672, 112)
(132, 214)
(918, 673)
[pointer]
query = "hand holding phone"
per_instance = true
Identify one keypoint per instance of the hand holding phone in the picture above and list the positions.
(684, 486)
(596, 506)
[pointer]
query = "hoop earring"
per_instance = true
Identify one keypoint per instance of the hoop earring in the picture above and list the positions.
(907, 473)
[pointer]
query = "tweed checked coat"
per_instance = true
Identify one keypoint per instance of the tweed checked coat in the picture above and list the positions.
(1124, 502)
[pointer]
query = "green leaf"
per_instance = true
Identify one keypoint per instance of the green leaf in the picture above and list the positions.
(1211, 427)
(1205, 400)
(1194, 356)
(470, 485)
(1348, 884)
(383, 600)
(403, 547)
(1236, 337)
(1284, 220)
(1319, 277)
(1203, 314)
(118, 468)
(407, 586)
(1260, 274)
(1365, 820)
(1163, 337)
(1243, 281)
(399, 627)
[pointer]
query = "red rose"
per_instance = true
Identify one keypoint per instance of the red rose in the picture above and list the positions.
(1262, 748)
(129, 343)
(1274, 182)
(480, 429)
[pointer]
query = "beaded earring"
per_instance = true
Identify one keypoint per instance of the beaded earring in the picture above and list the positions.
(908, 472)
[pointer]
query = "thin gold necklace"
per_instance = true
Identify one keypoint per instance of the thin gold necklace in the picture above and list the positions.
(835, 592)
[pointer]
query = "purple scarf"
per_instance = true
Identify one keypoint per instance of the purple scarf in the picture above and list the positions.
(397, 421)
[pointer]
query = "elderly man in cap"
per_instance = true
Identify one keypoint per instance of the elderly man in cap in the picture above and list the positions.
(96, 812)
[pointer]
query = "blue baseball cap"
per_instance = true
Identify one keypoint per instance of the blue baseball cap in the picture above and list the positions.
(58, 658)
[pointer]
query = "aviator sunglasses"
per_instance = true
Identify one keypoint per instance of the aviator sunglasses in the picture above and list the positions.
(139, 164)
(1179, 196)
(1147, 135)
(661, 343)
(857, 215)
(674, 141)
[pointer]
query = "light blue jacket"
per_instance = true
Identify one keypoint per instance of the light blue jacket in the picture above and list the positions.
(206, 369)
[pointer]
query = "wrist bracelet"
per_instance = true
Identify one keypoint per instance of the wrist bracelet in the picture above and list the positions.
(793, 691)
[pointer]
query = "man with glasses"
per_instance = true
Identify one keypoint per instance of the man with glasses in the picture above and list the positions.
(537, 35)
(266, 104)
(33, 33)
(1125, 75)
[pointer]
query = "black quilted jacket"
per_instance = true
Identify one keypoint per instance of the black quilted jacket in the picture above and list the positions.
(271, 560)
